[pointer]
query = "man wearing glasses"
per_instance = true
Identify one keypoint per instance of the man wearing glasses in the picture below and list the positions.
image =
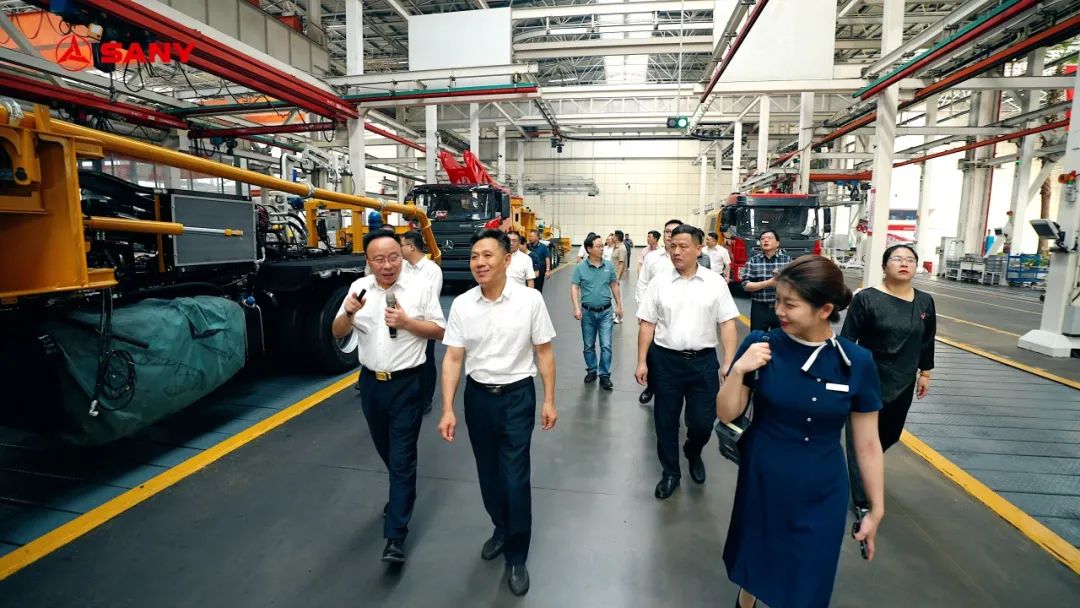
(658, 262)
(759, 280)
(388, 318)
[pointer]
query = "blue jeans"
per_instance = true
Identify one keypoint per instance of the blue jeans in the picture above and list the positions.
(591, 324)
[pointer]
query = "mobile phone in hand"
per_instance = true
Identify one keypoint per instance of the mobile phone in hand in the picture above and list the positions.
(860, 513)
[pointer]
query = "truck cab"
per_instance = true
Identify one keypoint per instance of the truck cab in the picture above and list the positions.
(798, 219)
(457, 212)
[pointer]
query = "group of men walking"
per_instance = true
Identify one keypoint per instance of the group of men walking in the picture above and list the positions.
(501, 333)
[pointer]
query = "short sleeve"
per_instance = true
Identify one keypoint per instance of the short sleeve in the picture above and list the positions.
(455, 327)
(542, 329)
(649, 307)
(868, 396)
(726, 309)
(854, 320)
(530, 273)
(751, 338)
(576, 280)
(432, 311)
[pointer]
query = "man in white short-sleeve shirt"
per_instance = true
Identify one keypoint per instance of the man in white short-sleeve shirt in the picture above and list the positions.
(390, 343)
(683, 311)
(520, 270)
(494, 329)
(418, 265)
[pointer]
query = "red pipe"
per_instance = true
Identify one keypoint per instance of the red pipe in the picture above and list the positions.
(388, 135)
(1065, 28)
(216, 58)
(758, 8)
(362, 100)
(29, 89)
(986, 142)
(964, 39)
(840, 177)
(298, 127)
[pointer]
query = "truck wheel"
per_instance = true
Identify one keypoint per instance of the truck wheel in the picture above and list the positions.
(323, 350)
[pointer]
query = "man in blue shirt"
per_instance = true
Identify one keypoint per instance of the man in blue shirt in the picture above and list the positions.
(592, 289)
(759, 280)
(541, 258)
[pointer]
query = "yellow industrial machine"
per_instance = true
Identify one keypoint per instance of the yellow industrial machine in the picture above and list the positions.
(95, 272)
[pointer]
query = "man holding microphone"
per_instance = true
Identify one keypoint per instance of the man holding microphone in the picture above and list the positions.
(388, 319)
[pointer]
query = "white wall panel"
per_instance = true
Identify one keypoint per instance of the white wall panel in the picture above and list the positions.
(459, 40)
(790, 41)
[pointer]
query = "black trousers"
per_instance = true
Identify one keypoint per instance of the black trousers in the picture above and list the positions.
(428, 376)
(763, 316)
(500, 430)
(538, 283)
(677, 380)
(393, 410)
(890, 424)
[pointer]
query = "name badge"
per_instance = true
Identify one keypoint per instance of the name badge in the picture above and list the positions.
(843, 388)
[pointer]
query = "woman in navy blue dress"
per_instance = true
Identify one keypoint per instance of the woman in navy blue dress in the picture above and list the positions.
(788, 521)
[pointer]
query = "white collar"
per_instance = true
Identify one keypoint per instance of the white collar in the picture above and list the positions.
(505, 295)
(820, 347)
(701, 273)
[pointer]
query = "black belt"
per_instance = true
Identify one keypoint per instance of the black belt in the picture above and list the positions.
(595, 308)
(499, 389)
(686, 354)
(387, 376)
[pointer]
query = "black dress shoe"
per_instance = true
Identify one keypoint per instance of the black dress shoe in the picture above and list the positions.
(666, 487)
(645, 396)
(394, 553)
(517, 577)
(605, 383)
(590, 377)
(492, 548)
(697, 468)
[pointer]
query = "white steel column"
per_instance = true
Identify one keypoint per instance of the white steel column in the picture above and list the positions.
(172, 174)
(736, 158)
(703, 182)
(718, 171)
(357, 154)
(354, 64)
(474, 129)
(806, 137)
(1060, 306)
(885, 133)
(314, 19)
(501, 171)
(973, 207)
(922, 216)
(431, 126)
(763, 135)
(1026, 154)
(521, 168)
(403, 184)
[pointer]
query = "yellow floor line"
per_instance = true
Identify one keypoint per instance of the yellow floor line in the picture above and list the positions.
(979, 325)
(1027, 525)
(1042, 373)
(44, 545)
(1053, 544)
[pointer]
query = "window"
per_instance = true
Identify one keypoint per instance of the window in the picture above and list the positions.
(460, 206)
(788, 222)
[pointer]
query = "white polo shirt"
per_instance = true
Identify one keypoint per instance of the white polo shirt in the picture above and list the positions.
(521, 268)
(498, 337)
(658, 262)
(719, 258)
(427, 272)
(376, 350)
(687, 311)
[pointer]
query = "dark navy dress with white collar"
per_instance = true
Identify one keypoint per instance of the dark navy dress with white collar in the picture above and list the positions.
(788, 521)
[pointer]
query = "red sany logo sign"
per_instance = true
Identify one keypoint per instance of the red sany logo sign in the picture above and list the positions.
(73, 52)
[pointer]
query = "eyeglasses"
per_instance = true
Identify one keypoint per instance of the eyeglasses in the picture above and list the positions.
(899, 260)
(393, 258)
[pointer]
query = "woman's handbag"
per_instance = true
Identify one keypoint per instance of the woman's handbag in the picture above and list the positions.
(729, 433)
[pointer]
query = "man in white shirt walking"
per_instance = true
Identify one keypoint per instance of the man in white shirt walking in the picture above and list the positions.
(521, 265)
(419, 265)
(719, 258)
(387, 317)
(683, 311)
(500, 395)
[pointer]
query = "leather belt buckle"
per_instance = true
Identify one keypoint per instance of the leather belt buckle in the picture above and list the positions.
(383, 376)
(688, 354)
(494, 389)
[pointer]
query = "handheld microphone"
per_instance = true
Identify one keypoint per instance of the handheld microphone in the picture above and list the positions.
(391, 302)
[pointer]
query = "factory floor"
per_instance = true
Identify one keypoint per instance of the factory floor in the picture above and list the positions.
(294, 518)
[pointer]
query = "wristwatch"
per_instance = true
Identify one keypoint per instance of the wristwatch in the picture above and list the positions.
(924, 373)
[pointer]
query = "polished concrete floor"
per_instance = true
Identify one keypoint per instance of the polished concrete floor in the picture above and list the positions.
(294, 519)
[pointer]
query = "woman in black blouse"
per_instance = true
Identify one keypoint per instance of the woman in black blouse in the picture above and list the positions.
(897, 323)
